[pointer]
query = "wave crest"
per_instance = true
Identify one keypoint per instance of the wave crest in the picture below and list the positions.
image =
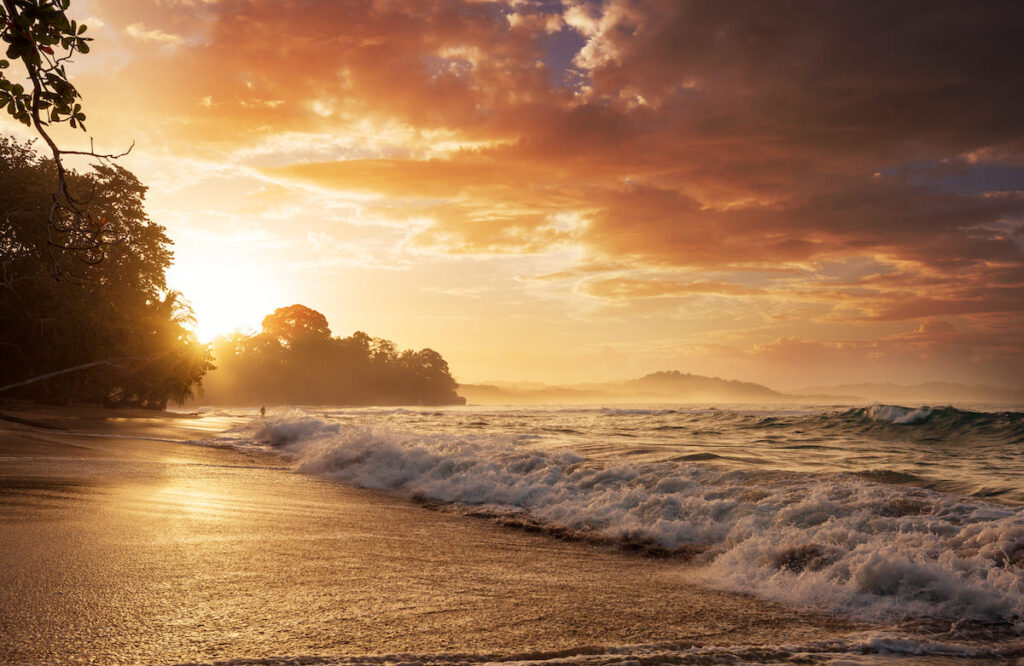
(898, 415)
(830, 541)
(927, 423)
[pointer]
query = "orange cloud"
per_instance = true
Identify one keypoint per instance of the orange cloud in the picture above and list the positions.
(646, 136)
(630, 288)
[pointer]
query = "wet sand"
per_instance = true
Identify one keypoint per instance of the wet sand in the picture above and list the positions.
(123, 548)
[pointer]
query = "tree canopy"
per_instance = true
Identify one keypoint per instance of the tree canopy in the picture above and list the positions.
(121, 311)
(295, 360)
(42, 38)
(296, 323)
(40, 34)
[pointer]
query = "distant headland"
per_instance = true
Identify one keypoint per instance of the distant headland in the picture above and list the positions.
(675, 386)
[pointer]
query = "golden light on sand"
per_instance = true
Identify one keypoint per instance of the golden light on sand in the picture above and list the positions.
(225, 294)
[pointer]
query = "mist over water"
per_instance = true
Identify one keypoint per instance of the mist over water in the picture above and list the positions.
(879, 513)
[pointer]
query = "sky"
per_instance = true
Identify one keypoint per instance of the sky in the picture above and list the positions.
(793, 193)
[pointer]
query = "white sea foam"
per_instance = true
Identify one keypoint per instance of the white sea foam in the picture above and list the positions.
(899, 415)
(832, 542)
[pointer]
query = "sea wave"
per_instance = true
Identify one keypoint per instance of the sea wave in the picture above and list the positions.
(940, 424)
(896, 415)
(834, 542)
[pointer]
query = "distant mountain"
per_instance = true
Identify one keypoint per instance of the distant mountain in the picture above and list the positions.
(698, 388)
(670, 386)
(680, 387)
(930, 392)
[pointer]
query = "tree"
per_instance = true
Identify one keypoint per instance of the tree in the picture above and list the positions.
(294, 360)
(122, 310)
(40, 35)
(42, 38)
(120, 321)
(296, 323)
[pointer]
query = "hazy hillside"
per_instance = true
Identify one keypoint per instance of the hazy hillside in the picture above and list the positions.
(670, 386)
(698, 388)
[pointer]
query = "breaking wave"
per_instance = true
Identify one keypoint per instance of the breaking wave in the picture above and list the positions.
(939, 422)
(833, 542)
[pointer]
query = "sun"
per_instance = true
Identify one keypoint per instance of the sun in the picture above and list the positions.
(225, 294)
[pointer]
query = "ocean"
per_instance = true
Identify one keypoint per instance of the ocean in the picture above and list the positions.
(909, 518)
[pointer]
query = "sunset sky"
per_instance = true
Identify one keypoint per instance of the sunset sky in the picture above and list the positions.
(794, 193)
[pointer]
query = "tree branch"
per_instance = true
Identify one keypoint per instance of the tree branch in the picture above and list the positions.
(84, 366)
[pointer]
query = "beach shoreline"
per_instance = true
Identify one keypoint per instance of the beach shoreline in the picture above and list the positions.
(127, 544)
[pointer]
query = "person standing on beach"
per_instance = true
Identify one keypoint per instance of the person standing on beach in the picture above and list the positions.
(263, 412)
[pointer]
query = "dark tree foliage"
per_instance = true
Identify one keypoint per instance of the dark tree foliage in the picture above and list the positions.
(294, 360)
(121, 311)
(295, 324)
(39, 36)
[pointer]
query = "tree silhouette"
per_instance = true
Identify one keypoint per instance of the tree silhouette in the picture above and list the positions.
(126, 336)
(295, 323)
(43, 39)
(294, 360)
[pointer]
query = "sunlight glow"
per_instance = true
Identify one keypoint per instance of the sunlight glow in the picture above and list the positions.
(225, 294)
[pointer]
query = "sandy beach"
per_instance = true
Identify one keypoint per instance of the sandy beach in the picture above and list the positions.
(122, 545)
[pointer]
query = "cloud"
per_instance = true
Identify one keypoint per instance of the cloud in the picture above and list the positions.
(330, 253)
(651, 138)
(632, 288)
(934, 349)
(140, 32)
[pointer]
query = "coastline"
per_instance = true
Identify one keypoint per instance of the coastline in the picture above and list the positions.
(126, 545)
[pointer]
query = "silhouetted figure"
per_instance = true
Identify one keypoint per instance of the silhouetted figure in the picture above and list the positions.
(263, 412)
